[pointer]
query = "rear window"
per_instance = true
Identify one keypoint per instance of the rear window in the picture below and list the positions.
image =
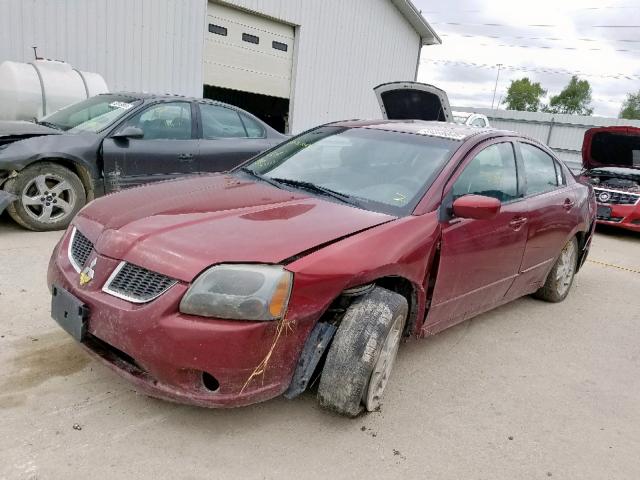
(540, 170)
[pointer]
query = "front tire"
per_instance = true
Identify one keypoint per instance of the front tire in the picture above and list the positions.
(49, 196)
(560, 278)
(363, 352)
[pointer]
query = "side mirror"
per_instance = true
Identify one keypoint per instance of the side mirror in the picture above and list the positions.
(129, 132)
(477, 207)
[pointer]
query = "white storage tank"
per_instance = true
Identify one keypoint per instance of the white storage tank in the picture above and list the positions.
(32, 90)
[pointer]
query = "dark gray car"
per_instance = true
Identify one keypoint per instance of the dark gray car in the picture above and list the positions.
(49, 170)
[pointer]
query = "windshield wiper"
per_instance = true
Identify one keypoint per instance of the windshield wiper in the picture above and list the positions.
(260, 177)
(316, 188)
(49, 124)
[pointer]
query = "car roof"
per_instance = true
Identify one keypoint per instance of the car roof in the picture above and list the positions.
(453, 131)
(166, 96)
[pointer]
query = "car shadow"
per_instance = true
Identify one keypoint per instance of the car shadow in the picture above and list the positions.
(616, 232)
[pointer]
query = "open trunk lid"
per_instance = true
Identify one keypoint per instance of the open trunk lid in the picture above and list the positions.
(413, 101)
(611, 147)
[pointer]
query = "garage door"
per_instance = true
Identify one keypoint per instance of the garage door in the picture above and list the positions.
(247, 52)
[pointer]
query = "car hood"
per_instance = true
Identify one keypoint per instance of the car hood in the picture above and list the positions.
(179, 228)
(611, 147)
(11, 128)
(21, 151)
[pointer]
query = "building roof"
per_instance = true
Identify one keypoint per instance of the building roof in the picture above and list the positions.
(418, 22)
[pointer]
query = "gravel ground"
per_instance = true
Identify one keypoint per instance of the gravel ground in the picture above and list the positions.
(530, 390)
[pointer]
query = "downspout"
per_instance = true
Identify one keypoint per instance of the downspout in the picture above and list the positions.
(415, 76)
(551, 124)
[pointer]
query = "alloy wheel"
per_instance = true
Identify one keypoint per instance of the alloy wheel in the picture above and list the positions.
(566, 268)
(48, 198)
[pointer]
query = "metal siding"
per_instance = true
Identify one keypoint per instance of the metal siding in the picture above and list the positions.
(136, 45)
(344, 49)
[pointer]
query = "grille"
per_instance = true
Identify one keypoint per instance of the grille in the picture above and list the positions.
(616, 198)
(137, 284)
(80, 249)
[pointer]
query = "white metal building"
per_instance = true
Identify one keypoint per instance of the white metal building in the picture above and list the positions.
(306, 61)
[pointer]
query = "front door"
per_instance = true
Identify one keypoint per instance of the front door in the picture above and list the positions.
(479, 259)
(229, 138)
(168, 149)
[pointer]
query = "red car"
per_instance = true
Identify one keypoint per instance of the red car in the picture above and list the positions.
(611, 159)
(317, 257)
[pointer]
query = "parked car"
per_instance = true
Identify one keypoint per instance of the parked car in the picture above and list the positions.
(611, 161)
(49, 170)
(471, 119)
(228, 289)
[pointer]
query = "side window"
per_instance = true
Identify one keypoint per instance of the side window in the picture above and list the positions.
(164, 121)
(491, 173)
(220, 122)
(540, 170)
(479, 122)
(254, 129)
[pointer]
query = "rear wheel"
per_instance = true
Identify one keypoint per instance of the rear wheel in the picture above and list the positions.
(363, 352)
(560, 278)
(49, 196)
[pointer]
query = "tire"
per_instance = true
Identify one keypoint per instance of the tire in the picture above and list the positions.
(560, 278)
(362, 353)
(49, 196)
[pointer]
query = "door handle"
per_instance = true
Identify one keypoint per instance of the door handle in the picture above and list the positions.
(568, 204)
(185, 156)
(517, 223)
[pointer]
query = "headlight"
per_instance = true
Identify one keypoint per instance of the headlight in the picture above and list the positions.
(240, 292)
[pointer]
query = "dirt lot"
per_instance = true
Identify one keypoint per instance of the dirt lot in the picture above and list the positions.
(528, 391)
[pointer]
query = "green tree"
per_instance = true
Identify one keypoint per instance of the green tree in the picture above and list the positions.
(631, 107)
(524, 95)
(575, 99)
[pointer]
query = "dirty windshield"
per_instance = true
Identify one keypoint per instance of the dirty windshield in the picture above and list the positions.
(91, 115)
(373, 169)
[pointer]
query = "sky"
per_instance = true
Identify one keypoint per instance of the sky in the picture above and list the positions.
(544, 40)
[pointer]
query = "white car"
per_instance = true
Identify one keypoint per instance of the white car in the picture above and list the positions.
(472, 119)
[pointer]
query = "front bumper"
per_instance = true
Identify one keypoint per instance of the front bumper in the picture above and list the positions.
(165, 353)
(622, 216)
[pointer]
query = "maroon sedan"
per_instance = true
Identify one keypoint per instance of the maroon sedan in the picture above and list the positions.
(316, 258)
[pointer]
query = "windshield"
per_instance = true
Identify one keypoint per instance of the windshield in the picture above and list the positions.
(373, 169)
(91, 115)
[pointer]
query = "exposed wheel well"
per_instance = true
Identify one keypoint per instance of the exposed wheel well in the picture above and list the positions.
(407, 289)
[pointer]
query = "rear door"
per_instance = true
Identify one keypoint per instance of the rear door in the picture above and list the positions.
(413, 101)
(479, 259)
(552, 211)
(228, 137)
(167, 150)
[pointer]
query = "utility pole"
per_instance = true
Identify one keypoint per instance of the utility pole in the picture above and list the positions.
(496, 86)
